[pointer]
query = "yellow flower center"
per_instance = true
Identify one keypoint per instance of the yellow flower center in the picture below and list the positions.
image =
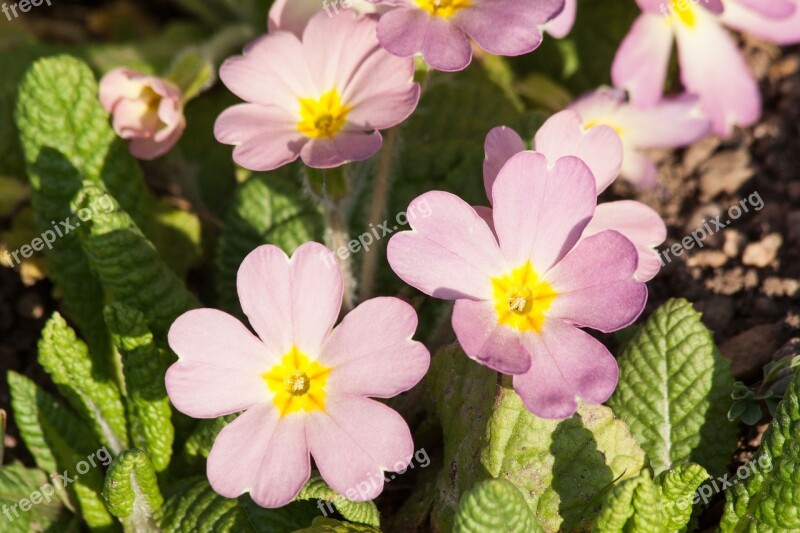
(592, 123)
(298, 383)
(443, 8)
(684, 11)
(521, 299)
(323, 117)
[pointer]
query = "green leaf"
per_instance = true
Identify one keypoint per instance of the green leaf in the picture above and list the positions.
(183, 230)
(268, 209)
(128, 264)
(131, 491)
(676, 488)
(199, 443)
(632, 506)
(59, 441)
(194, 505)
(766, 495)
(323, 524)
(361, 512)
(193, 72)
(562, 467)
(96, 399)
(144, 366)
(67, 139)
(18, 483)
(494, 505)
(674, 391)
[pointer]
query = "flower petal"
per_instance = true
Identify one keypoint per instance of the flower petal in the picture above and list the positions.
(520, 20)
(595, 284)
(639, 169)
(501, 143)
(680, 122)
(372, 352)
(345, 147)
(487, 341)
(774, 9)
(712, 67)
(641, 62)
(568, 364)
(272, 71)
(560, 26)
(540, 212)
(292, 15)
(639, 224)
(220, 365)
(291, 302)
(409, 31)
(783, 31)
(599, 147)
(354, 441)
(451, 252)
(263, 454)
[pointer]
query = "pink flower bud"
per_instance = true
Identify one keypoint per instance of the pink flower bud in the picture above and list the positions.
(145, 109)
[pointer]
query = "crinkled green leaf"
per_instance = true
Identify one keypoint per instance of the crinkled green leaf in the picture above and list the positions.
(95, 398)
(18, 483)
(632, 506)
(183, 230)
(59, 441)
(199, 443)
(67, 140)
(361, 512)
(562, 467)
(323, 524)
(767, 499)
(128, 265)
(193, 504)
(144, 366)
(131, 491)
(268, 209)
(677, 489)
(674, 391)
(494, 505)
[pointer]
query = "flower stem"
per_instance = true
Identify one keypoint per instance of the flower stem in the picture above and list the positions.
(331, 189)
(377, 210)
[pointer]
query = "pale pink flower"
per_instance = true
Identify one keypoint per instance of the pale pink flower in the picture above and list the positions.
(777, 21)
(560, 26)
(145, 109)
(712, 67)
(523, 283)
(303, 385)
(440, 30)
(669, 123)
(564, 134)
(293, 15)
(322, 99)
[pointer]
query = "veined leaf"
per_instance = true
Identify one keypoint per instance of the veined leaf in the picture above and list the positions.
(199, 443)
(131, 491)
(60, 443)
(268, 209)
(97, 400)
(44, 507)
(768, 497)
(323, 524)
(193, 501)
(128, 265)
(361, 512)
(677, 493)
(144, 366)
(632, 507)
(494, 505)
(562, 467)
(674, 391)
